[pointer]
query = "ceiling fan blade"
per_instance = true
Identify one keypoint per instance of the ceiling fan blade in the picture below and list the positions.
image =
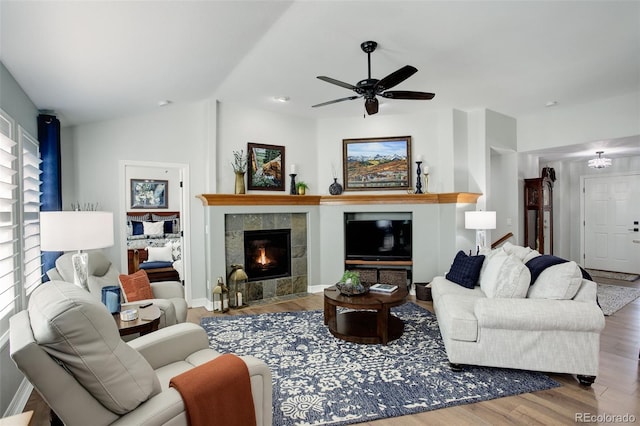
(337, 82)
(371, 105)
(405, 94)
(348, 98)
(395, 78)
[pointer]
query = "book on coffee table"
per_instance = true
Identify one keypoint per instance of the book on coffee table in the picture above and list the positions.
(383, 288)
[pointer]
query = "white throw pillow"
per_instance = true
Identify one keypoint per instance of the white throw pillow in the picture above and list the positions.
(513, 279)
(519, 251)
(558, 282)
(490, 270)
(153, 228)
(159, 254)
(504, 275)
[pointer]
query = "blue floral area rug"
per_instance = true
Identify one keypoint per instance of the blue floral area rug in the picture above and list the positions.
(322, 380)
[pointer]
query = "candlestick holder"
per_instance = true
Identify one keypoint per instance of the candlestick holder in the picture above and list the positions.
(418, 181)
(293, 190)
(426, 183)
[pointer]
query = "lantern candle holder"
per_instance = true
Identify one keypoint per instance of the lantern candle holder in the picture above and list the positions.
(220, 297)
(237, 280)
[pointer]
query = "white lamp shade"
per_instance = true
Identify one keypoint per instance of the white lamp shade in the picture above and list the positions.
(75, 230)
(480, 220)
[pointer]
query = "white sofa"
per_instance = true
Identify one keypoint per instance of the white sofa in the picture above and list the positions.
(554, 327)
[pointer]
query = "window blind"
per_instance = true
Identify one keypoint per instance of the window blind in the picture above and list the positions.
(31, 257)
(9, 236)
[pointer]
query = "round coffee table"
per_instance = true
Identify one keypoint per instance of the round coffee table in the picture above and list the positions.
(370, 321)
(147, 321)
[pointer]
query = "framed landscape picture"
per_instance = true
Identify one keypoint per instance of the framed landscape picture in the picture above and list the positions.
(266, 167)
(149, 194)
(377, 163)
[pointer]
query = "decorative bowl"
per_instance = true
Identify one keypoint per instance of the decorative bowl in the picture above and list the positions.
(351, 289)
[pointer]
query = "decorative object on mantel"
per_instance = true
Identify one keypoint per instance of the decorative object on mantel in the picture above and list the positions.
(266, 167)
(377, 163)
(293, 190)
(302, 187)
(425, 173)
(237, 278)
(350, 284)
(335, 188)
(239, 167)
(418, 181)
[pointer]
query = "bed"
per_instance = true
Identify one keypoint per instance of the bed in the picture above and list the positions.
(154, 243)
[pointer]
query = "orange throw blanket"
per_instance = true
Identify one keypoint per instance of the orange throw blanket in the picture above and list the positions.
(217, 393)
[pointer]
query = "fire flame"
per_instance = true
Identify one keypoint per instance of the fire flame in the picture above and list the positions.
(262, 259)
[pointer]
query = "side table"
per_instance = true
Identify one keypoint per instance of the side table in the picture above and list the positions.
(147, 321)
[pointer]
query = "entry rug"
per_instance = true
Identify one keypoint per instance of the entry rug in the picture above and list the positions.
(612, 298)
(321, 380)
(596, 273)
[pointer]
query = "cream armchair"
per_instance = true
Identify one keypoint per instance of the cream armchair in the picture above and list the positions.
(168, 295)
(68, 340)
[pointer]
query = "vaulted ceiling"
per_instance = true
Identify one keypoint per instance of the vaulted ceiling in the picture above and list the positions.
(96, 60)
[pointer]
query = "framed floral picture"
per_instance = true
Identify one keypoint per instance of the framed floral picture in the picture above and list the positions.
(377, 163)
(149, 194)
(266, 167)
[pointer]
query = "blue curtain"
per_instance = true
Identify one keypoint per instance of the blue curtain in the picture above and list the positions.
(51, 177)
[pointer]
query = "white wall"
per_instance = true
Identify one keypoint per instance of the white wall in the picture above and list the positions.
(178, 134)
(238, 125)
(569, 125)
(423, 129)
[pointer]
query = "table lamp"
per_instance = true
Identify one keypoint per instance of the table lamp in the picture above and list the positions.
(480, 221)
(76, 231)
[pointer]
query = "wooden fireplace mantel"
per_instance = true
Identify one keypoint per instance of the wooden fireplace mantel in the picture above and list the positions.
(344, 199)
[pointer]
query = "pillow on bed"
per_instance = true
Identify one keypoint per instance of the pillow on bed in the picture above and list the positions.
(159, 218)
(153, 228)
(137, 228)
(137, 217)
(159, 254)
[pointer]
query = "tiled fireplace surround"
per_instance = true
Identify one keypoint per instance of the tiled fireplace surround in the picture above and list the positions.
(236, 224)
(318, 239)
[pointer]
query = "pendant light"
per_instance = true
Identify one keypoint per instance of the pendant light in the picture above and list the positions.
(599, 162)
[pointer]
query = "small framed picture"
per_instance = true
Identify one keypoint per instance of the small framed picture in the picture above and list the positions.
(149, 194)
(266, 166)
(377, 163)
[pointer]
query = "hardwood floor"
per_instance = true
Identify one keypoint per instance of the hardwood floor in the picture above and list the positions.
(614, 393)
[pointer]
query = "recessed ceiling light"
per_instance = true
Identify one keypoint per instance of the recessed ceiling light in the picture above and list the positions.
(281, 98)
(551, 104)
(164, 103)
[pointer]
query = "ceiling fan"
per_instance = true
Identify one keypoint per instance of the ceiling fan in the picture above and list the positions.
(369, 88)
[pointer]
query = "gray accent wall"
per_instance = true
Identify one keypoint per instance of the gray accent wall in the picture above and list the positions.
(15, 102)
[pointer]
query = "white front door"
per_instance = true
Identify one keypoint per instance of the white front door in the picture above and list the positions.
(612, 223)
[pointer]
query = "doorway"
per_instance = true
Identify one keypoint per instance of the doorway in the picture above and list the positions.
(173, 178)
(611, 230)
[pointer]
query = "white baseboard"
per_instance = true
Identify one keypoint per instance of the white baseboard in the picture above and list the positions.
(202, 302)
(316, 288)
(19, 401)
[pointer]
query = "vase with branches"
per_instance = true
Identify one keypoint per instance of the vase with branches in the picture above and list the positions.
(239, 165)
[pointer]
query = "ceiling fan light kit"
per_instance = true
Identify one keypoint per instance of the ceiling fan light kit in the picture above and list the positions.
(370, 88)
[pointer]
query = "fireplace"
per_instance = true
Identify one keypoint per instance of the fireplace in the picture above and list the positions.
(267, 253)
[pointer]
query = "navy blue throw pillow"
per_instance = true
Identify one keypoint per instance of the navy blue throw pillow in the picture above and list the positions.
(540, 263)
(465, 270)
(137, 228)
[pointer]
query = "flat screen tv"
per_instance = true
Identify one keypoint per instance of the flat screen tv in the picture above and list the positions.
(377, 239)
